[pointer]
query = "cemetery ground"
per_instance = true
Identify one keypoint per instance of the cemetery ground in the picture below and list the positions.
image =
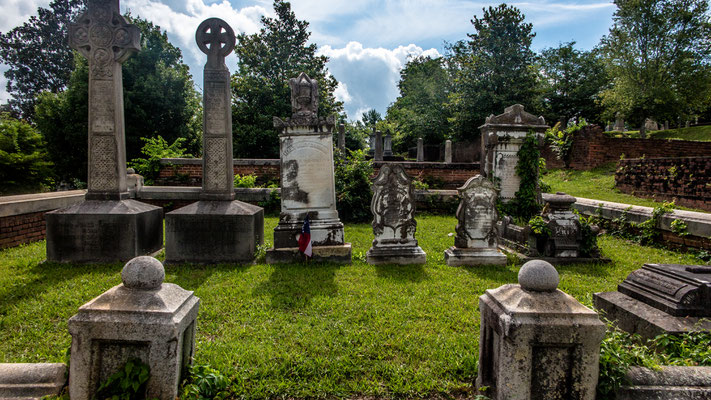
(319, 330)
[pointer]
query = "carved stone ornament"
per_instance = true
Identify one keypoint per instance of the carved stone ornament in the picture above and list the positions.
(304, 106)
(393, 206)
(215, 38)
(514, 115)
(476, 214)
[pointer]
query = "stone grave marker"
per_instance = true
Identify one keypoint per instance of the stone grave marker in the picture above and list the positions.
(619, 123)
(342, 137)
(394, 224)
(217, 228)
(142, 318)
(501, 138)
(537, 342)
(660, 298)
(378, 146)
(108, 226)
(476, 242)
(388, 145)
(420, 150)
(564, 225)
(307, 180)
(448, 151)
(371, 143)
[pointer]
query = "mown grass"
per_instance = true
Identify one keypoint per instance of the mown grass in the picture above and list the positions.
(318, 330)
(697, 133)
(598, 184)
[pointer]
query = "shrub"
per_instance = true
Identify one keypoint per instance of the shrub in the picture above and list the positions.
(245, 181)
(155, 149)
(128, 383)
(353, 185)
(23, 159)
(561, 141)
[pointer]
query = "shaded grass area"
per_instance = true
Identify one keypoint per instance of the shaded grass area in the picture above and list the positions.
(696, 133)
(318, 330)
(598, 184)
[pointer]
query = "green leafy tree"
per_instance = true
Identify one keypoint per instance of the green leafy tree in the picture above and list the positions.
(572, 83)
(658, 54)
(155, 149)
(260, 88)
(353, 185)
(493, 70)
(421, 109)
(371, 118)
(23, 159)
(159, 100)
(38, 55)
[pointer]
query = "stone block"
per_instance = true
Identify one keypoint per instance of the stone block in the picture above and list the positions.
(142, 318)
(103, 231)
(668, 383)
(401, 255)
(212, 232)
(339, 254)
(31, 381)
(455, 257)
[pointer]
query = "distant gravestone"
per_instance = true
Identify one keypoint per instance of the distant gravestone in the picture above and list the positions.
(564, 226)
(448, 151)
(307, 180)
(371, 143)
(394, 224)
(378, 146)
(342, 137)
(388, 145)
(420, 150)
(476, 242)
(619, 123)
(502, 137)
(108, 226)
(217, 228)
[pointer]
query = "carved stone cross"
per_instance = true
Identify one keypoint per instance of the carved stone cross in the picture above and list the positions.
(216, 39)
(106, 39)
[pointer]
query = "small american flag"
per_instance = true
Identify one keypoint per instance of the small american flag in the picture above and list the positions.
(305, 238)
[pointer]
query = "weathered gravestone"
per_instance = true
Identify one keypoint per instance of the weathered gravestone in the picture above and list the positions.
(564, 226)
(142, 318)
(107, 226)
(448, 151)
(476, 242)
(501, 138)
(660, 298)
(388, 145)
(307, 180)
(420, 150)
(378, 146)
(619, 123)
(537, 342)
(217, 228)
(394, 224)
(342, 137)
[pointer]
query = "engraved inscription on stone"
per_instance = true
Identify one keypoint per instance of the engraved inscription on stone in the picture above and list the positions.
(104, 175)
(215, 108)
(393, 207)
(506, 172)
(215, 172)
(476, 214)
(102, 106)
(656, 281)
(307, 178)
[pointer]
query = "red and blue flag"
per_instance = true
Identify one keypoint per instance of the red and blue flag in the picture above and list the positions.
(305, 238)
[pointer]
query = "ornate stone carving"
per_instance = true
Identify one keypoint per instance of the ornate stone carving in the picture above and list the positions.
(477, 214)
(215, 38)
(215, 160)
(104, 175)
(304, 107)
(514, 115)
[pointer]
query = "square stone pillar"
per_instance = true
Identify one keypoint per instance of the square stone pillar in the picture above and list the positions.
(501, 139)
(420, 150)
(537, 342)
(448, 151)
(143, 318)
(378, 146)
(388, 145)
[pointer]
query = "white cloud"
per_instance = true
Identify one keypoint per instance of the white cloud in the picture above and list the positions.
(15, 12)
(341, 93)
(370, 75)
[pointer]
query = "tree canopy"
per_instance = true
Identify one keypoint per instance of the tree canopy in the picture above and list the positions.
(260, 89)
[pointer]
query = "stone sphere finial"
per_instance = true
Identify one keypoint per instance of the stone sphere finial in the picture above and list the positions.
(538, 276)
(143, 273)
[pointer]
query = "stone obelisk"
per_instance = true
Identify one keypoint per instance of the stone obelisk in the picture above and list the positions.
(217, 228)
(107, 226)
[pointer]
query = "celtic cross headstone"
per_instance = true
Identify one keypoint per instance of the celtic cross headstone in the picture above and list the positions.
(106, 39)
(216, 39)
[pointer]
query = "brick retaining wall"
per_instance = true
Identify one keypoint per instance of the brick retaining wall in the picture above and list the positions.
(592, 148)
(19, 229)
(686, 179)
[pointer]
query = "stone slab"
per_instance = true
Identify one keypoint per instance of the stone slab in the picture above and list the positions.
(556, 260)
(633, 316)
(209, 232)
(669, 383)
(396, 255)
(456, 257)
(335, 254)
(31, 380)
(37, 202)
(103, 231)
(323, 232)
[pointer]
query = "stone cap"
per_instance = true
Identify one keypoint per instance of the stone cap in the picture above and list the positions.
(515, 117)
(538, 276)
(559, 200)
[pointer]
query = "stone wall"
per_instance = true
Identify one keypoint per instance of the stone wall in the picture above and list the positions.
(685, 179)
(592, 148)
(188, 172)
(19, 229)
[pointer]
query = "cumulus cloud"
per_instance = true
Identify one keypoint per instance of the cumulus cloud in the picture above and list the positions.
(15, 12)
(369, 75)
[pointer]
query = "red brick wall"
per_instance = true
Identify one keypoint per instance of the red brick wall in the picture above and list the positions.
(686, 179)
(592, 148)
(19, 229)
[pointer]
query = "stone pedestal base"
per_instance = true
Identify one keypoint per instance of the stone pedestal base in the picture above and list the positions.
(328, 232)
(633, 316)
(103, 231)
(340, 254)
(456, 257)
(210, 232)
(402, 255)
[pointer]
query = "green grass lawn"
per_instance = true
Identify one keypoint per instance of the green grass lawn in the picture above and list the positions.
(598, 184)
(316, 330)
(698, 133)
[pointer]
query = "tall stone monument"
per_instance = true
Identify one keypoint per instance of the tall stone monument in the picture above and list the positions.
(448, 151)
(217, 228)
(307, 180)
(107, 226)
(394, 224)
(420, 150)
(537, 342)
(378, 146)
(476, 242)
(388, 145)
(501, 138)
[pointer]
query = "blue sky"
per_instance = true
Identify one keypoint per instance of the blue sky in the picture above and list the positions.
(368, 41)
